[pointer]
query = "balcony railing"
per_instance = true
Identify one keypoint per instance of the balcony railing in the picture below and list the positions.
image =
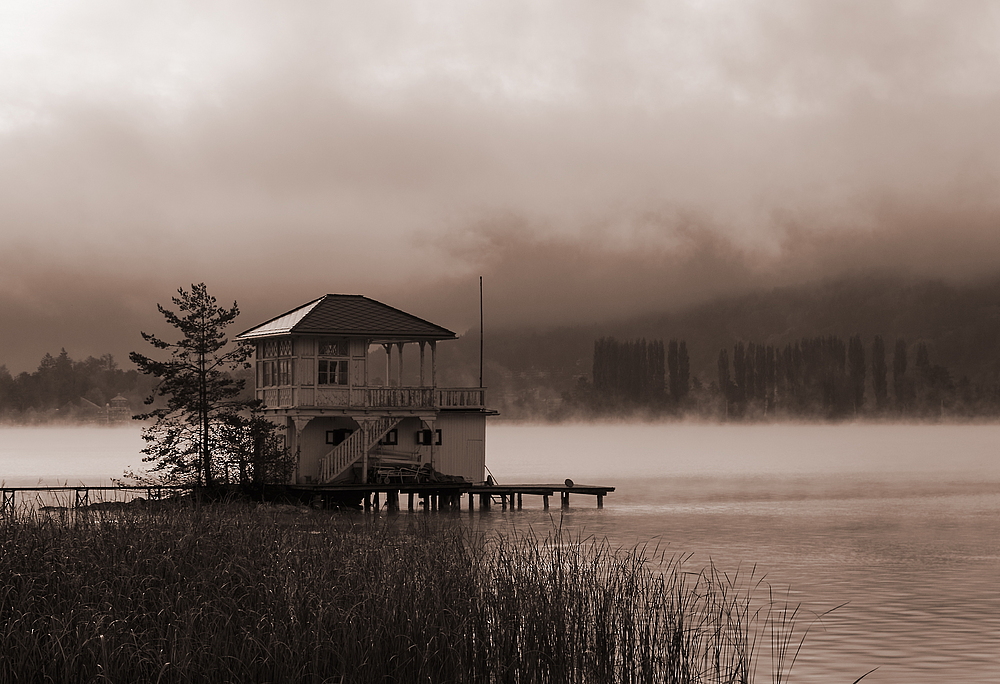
(375, 397)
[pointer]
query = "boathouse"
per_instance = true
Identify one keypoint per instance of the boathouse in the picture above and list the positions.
(349, 418)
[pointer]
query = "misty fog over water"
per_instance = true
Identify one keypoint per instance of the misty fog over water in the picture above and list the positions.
(898, 522)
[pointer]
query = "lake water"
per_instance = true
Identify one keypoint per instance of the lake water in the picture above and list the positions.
(900, 523)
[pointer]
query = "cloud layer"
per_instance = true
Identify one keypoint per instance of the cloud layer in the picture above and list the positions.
(591, 160)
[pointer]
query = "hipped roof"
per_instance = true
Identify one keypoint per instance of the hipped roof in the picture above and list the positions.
(349, 316)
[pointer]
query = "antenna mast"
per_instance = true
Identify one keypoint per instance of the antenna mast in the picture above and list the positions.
(480, 331)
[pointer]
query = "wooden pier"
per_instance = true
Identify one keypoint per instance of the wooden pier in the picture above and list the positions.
(449, 496)
(429, 496)
(81, 493)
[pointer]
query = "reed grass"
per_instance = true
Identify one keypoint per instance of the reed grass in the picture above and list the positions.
(230, 593)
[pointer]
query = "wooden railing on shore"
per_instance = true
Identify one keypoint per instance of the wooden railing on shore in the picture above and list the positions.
(376, 397)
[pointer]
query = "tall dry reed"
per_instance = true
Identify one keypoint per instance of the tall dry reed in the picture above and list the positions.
(229, 593)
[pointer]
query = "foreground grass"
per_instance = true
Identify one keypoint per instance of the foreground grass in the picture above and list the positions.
(226, 594)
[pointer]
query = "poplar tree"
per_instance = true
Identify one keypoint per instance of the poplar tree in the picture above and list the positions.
(200, 396)
(683, 371)
(673, 367)
(856, 371)
(725, 383)
(879, 373)
(899, 374)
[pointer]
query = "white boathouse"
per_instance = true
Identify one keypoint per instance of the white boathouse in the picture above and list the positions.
(316, 376)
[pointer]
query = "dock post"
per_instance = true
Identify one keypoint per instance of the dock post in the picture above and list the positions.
(434, 501)
(519, 501)
(564, 500)
(600, 501)
(409, 501)
(378, 504)
(484, 502)
(472, 498)
(545, 501)
(368, 501)
(82, 498)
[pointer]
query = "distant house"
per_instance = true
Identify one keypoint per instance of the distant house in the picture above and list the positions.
(119, 410)
(314, 376)
(83, 409)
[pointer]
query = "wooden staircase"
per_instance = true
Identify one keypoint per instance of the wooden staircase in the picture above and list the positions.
(353, 449)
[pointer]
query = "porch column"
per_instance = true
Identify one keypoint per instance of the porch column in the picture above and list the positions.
(399, 366)
(434, 382)
(366, 425)
(422, 344)
(428, 423)
(298, 424)
(388, 363)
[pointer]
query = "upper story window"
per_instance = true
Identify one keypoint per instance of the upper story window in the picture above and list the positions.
(274, 373)
(332, 372)
(272, 348)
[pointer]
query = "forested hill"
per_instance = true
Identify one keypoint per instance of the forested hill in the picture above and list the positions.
(532, 373)
(529, 371)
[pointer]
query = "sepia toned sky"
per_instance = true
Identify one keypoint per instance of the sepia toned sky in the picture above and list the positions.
(591, 159)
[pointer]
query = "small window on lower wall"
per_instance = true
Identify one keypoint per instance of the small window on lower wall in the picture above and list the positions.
(391, 438)
(424, 437)
(336, 437)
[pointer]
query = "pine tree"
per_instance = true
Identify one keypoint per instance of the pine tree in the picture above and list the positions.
(200, 395)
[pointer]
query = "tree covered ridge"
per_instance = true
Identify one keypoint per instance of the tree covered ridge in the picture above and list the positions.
(54, 390)
(812, 378)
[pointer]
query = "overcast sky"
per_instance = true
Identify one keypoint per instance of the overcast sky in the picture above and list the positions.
(590, 159)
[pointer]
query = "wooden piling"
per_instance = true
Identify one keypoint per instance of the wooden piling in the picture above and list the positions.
(545, 501)
(409, 502)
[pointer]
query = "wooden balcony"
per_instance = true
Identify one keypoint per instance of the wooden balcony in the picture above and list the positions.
(374, 397)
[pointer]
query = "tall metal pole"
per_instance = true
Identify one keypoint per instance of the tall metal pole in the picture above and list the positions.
(480, 331)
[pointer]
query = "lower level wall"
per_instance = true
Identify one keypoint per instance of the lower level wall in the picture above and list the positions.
(463, 445)
(461, 452)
